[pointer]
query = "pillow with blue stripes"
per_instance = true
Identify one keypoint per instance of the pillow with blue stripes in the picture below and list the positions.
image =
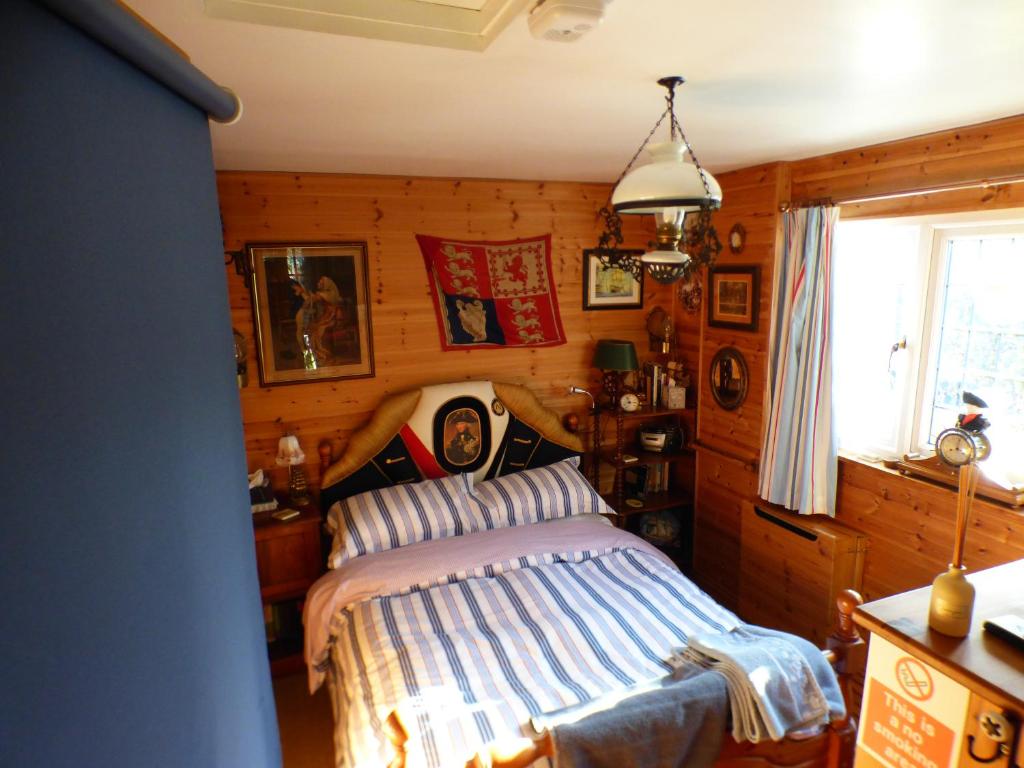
(391, 517)
(533, 495)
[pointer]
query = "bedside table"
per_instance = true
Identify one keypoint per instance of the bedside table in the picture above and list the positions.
(289, 558)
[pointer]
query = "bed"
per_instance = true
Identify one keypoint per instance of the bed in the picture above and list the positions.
(477, 586)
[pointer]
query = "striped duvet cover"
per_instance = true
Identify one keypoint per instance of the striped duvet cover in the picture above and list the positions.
(540, 618)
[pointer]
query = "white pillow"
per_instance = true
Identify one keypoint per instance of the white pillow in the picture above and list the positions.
(545, 493)
(391, 517)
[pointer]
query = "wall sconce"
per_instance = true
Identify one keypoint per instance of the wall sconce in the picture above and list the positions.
(595, 434)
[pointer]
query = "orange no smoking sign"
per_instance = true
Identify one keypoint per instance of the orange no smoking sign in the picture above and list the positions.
(914, 678)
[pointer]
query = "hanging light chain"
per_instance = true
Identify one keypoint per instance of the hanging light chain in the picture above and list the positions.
(696, 162)
(641, 148)
(608, 252)
(701, 241)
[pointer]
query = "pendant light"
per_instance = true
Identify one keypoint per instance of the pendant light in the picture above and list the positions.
(678, 192)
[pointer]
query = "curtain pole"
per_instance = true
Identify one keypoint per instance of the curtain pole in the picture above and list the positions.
(983, 184)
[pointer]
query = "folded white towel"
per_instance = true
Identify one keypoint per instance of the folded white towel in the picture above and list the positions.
(772, 688)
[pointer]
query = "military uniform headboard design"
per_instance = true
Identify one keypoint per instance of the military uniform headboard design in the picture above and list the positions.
(487, 428)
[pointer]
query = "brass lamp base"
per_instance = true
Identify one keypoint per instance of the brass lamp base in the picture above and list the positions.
(298, 490)
(613, 388)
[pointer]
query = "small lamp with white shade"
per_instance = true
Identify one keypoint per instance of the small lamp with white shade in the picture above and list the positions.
(289, 454)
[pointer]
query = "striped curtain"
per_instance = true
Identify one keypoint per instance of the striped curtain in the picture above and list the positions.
(798, 453)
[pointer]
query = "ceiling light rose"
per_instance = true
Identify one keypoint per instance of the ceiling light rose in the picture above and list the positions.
(670, 186)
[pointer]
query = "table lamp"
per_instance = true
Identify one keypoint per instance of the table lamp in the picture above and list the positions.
(959, 447)
(289, 454)
(614, 357)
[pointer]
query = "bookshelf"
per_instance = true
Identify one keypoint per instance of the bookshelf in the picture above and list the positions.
(647, 481)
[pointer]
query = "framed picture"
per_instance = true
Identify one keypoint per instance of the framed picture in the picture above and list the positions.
(610, 287)
(312, 313)
(733, 298)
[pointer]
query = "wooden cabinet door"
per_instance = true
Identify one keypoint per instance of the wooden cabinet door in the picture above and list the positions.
(288, 562)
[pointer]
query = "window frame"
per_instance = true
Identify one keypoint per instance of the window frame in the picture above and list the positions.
(936, 230)
(938, 267)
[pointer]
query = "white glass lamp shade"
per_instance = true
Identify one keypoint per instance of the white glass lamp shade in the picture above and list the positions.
(288, 452)
(674, 257)
(668, 181)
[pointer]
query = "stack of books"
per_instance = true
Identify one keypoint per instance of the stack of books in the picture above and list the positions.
(642, 480)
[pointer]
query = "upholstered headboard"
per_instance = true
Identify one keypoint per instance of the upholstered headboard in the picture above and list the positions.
(487, 428)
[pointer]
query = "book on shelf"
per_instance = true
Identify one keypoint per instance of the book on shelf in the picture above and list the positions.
(634, 481)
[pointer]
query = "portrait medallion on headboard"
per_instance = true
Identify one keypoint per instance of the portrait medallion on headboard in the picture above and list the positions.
(462, 435)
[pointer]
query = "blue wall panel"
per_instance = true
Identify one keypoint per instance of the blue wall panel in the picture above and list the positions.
(131, 625)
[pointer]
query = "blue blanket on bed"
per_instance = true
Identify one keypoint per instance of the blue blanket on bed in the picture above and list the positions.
(680, 725)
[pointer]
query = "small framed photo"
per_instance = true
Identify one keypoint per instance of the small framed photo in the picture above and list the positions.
(610, 287)
(733, 299)
(311, 311)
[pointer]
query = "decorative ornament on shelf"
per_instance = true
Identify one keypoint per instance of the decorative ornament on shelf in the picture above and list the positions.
(691, 293)
(614, 358)
(241, 357)
(660, 331)
(289, 454)
(962, 446)
(680, 194)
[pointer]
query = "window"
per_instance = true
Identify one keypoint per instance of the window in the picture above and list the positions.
(923, 310)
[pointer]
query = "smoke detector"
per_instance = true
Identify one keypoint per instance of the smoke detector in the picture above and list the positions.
(565, 20)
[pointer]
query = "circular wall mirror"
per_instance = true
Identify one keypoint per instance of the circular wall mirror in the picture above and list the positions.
(729, 378)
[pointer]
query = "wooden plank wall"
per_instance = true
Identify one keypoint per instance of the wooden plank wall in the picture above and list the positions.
(730, 440)
(386, 212)
(909, 522)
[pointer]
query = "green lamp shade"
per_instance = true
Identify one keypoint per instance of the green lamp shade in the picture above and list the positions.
(615, 355)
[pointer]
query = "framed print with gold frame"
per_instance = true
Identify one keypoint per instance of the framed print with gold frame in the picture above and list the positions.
(733, 297)
(610, 287)
(311, 311)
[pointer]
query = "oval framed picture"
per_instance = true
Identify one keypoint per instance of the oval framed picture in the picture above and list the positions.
(737, 238)
(462, 435)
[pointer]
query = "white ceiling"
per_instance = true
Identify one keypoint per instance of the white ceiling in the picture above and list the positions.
(767, 81)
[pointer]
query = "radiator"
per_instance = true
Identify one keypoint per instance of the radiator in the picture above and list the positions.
(791, 568)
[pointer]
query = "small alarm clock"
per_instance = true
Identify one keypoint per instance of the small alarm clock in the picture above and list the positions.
(629, 402)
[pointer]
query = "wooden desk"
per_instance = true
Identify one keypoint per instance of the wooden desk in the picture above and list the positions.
(958, 680)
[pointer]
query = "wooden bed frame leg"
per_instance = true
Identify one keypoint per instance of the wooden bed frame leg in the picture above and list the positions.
(848, 650)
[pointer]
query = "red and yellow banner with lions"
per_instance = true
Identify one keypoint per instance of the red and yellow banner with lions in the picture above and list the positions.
(493, 294)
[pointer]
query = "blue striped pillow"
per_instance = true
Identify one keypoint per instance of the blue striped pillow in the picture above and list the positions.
(391, 517)
(545, 493)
